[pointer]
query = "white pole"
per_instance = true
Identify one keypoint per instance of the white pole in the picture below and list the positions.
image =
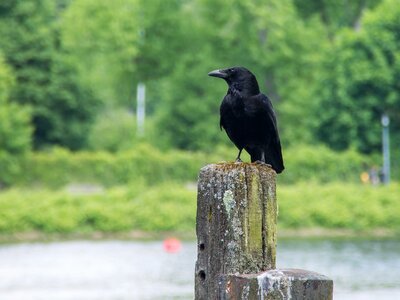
(140, 108)
(385, 148)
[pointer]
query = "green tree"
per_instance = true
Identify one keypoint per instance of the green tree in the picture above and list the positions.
(15, 129)
(361, 82)
(44, 80)
(105, 34)
(123, 42)
(28, 46)
(335, 13)
(67, 115)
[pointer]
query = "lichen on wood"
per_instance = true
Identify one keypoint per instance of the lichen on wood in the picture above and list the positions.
(236, 223)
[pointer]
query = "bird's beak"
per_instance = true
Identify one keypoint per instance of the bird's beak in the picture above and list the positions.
(218, 73)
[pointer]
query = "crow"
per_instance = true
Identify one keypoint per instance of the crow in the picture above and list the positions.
(248, 118)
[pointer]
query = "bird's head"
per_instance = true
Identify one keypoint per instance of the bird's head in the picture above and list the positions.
(238, 78)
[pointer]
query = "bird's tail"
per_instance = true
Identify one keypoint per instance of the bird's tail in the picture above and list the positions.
(274, 157)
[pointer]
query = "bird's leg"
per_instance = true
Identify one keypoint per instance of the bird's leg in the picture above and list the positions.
(262, 160)
(238, 157)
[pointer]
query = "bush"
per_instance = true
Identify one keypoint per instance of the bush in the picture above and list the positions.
(172, 207)
(60, 167)
(321, 164)
(144, 162)
(339, 205)
(166, 207)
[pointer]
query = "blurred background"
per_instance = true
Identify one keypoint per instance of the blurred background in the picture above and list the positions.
(107, 114)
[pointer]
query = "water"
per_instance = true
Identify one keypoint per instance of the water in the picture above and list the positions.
(121, 270)
(360, 269)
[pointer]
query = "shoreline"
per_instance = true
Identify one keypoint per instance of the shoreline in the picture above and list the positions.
(138, 235)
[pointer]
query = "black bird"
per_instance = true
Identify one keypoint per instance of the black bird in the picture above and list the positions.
(249, 119)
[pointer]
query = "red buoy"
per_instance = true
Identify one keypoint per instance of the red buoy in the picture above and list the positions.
(172, 245)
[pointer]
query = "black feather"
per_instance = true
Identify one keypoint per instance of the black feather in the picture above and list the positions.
(248, 118)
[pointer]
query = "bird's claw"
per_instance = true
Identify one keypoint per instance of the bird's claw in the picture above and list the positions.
(238, 160)
(260, 162)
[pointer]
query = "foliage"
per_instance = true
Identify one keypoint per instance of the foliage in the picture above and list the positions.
(362, 83)
(27, 46)
(113, 130)
(173, 207)
(188, 118)
(166, 207)
(6, 80)
(145, 163)
(70, 108)
(15, 129)
(320, 164)
(339, 206)
(61, 107)
(124, 42)
(15, 140)
(106, 34)
(335, 14)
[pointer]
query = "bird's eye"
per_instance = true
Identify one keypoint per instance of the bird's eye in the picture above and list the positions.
(232, 70)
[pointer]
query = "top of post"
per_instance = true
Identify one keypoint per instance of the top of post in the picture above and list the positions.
(385, 120)
(263, 170)
(232, 166)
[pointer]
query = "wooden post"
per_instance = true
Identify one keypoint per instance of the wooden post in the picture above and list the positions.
(236, 223)
(236, 239)
(277, 284)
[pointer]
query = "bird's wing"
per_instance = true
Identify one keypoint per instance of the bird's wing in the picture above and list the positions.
(261, 109)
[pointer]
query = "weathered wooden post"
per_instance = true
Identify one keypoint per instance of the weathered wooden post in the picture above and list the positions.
(236, 223)
(236, 238)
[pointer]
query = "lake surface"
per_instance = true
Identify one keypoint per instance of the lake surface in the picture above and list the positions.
(121, 270)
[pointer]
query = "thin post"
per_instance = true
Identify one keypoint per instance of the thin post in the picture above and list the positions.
(385, 148)
(140, 108)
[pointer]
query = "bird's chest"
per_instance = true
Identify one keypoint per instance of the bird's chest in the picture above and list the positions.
(238, 124)
(243, 126)
(239, 117)
(235, 116)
